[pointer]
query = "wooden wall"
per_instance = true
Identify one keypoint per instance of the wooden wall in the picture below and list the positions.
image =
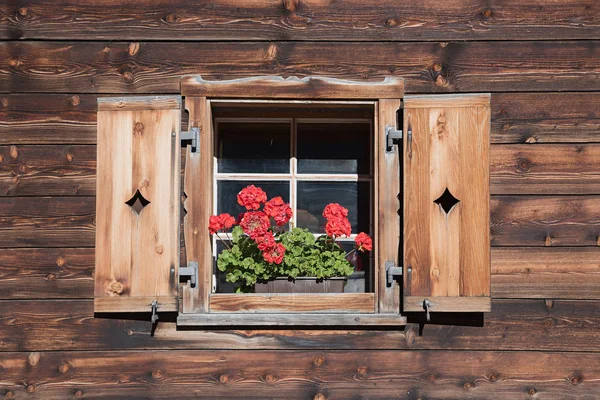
(541, 61)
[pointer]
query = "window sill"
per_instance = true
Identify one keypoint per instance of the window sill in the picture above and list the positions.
(312, 320)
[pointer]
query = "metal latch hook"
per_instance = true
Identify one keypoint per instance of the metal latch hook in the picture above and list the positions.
(426, 306)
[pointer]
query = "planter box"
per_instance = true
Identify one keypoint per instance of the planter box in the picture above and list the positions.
(301, 285)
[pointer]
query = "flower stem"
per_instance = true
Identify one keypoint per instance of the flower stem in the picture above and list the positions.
(221, 239)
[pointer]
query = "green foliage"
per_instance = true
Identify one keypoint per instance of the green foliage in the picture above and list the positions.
(304, 256)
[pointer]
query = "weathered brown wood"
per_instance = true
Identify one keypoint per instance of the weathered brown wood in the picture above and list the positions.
(545, 169)
(47, 170)
(446, 247)
(198, 203)
(545, 220)
(545, 118)
(137, 250)
(387, 221)
(297, 319)
(46, 273)
(320, 374)
(516, 118)
(33, 325)
(301, 20)
(47, 222)
(546, 273)
(156, 67)
(296, 302)
(277, 87)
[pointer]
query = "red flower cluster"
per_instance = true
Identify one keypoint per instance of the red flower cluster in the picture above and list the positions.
(220, 222)
(251, 197)
(363, 242)
(279, 210)
(275, 254)
(337, 220)
(255, 224)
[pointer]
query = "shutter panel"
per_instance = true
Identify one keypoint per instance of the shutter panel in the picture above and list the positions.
(446, 203)
(137, 204)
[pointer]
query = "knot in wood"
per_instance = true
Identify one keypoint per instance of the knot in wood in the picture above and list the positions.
(437, 67)
(1, 158)
(548, 241)
(23, 168)
(223, 379)
(75, 100)
(318, 361)
(272, 52)
(530, 139)
(391, 22)
(575, 380)
(157, 374)
(532, 391)
(69, 157)
(171, 18)
(548, 322)
(441, 124)
(14, 62)
(9, 395)
(30, 388)
(159, 249)
(493, 378)
(23, 11)
(319, 396)
(487, 13)
(129, 332)
(128, 76)
(4, 102)
(33, 358)
(115, 287)
(138, 128)
(290, 5)
(468, 386)
(50, 277)
(14, 153)
(270, 378)
(362, 370)
(64, 368)
(431, 377)
(441, 81)
(79, 394)
(134, 47)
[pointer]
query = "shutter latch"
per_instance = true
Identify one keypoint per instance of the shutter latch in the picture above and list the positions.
(392, 271)
(154, 317)
(191, 270)
(194, 135)
(427, 306)
(392, 137)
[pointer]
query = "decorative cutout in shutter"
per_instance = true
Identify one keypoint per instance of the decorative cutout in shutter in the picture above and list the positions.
(446, 203)
(137, 204)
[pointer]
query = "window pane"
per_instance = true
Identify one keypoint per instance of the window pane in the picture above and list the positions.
(253, 147)
(314, 196)
(334, 148)
(227, 192)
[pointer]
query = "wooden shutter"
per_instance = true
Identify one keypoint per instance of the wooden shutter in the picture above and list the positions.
(137, 245)
(446, 203)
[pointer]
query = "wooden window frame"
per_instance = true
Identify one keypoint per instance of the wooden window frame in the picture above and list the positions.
(200, 306)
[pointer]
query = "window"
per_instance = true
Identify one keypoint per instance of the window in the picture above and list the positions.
(310, 141)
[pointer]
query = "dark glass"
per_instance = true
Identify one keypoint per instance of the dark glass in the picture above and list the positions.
(314, 196)
(253, 147)
(334, 148)
(227, 192)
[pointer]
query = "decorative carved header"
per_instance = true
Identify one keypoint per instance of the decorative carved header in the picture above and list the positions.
(277, 87)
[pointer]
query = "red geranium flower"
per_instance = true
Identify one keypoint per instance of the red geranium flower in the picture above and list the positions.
(334, 210)
(251, 197)
(267, 242)
(219, 222)
(255, 224)
(337, 227)
(275, 255)
(363, 242)
(279, 210)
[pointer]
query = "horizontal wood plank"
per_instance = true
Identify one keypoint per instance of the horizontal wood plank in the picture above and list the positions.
(279, 319)
(447, 304)
(301, 374)
(156, 67)
(516, 118)
(545, 220)
(139, 103)
(545, 169)
(134, 304)
(530, 272)
(300, 20)
(296, 302)
(50, 325)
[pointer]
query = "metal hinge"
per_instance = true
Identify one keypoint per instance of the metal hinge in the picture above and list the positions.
(191, 270)
(392, 271)
(194, 135)
(392, 137)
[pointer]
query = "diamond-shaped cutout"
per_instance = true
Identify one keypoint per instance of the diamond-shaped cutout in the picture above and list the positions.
(137, 202)
(446, 201)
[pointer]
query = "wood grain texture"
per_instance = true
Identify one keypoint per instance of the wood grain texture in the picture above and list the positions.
(296, 319)
(46, 273)
(137, 252)
(546, 273)
(156, 67)
(300, 20)
(446, 251)
(286, 303)
(277, 87)
(516, 118)
(198, 194)
(387, 191)
(51, 325)
(545, 220)
(30, 170)
(545, 169)
(240, 374)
